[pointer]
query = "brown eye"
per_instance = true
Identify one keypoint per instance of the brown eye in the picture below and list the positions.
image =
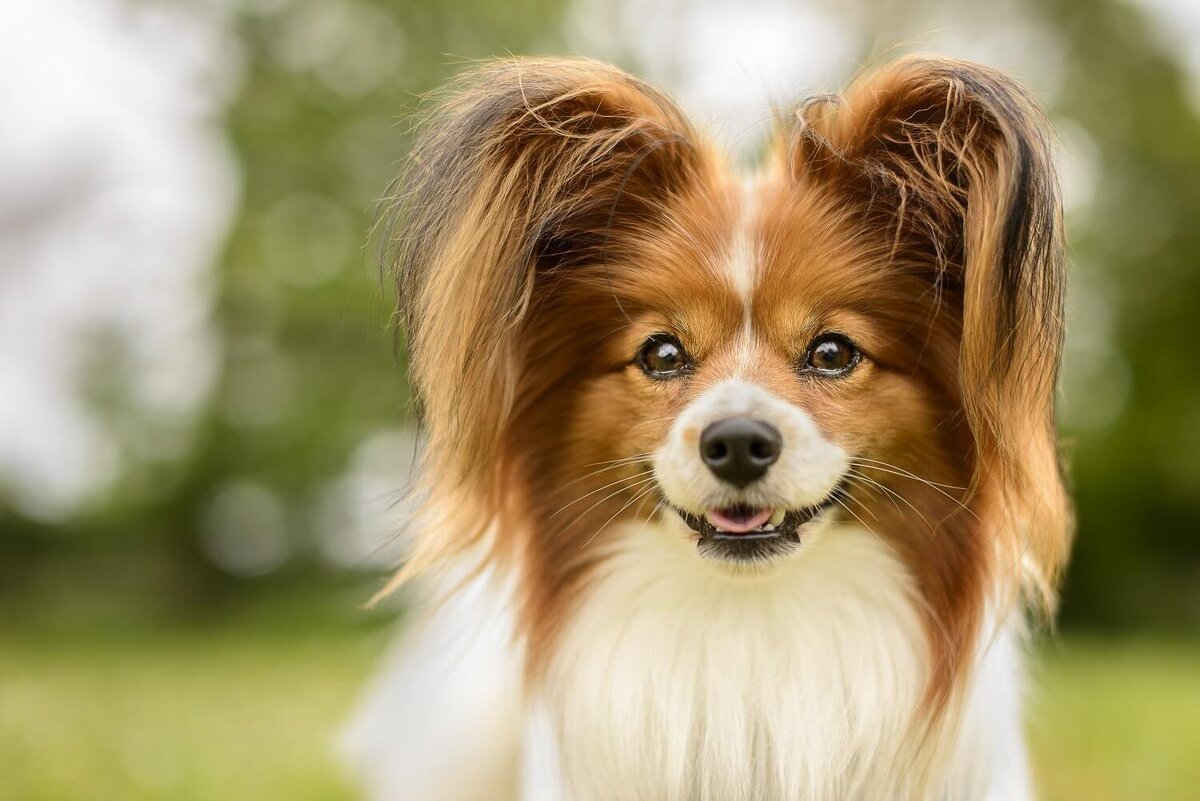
(662, 356)
(832, 355)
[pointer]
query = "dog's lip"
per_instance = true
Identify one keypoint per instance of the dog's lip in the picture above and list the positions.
(785, 526)
(739, 519)
(788, 527)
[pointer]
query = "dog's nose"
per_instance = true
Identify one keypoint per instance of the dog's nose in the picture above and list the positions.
(739, 450)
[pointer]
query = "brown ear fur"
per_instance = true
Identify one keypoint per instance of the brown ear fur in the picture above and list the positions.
(524, 167)
(955, 160)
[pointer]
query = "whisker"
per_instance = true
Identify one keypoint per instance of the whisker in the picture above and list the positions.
(613, 494)
(640, 457)
(860, 477)
(867, 462)
(861, 506)
(932, 484)
(838, 501)
(635, 499)
(620, 480)
(619, 463)
(892, 495)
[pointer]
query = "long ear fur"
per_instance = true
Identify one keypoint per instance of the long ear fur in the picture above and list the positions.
(524, 167)
(956, 159)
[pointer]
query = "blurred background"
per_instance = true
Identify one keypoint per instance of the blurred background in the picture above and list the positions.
(204, 422)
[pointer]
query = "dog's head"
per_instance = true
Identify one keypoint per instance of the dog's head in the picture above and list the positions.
(606, 324)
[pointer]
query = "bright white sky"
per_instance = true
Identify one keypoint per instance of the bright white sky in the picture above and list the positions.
(116, 188)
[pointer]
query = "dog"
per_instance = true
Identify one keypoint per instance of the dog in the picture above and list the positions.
(733, 486)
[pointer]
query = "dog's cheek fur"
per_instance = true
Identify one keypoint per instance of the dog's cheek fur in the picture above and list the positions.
(584, 477)
(588, 418)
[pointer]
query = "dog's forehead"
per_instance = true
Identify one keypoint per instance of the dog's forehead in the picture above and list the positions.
(748, 260)
(716, 290)
(788, 246)
(745, 241)
(777, 260)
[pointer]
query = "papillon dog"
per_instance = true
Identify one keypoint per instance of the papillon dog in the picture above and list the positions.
(734, 485)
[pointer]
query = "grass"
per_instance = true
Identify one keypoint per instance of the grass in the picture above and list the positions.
(193, 715)
(237, 711)
(1117, 721)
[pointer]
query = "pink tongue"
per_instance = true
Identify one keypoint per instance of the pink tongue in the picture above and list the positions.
(738, 522)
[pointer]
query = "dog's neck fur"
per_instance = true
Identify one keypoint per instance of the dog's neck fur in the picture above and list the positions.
(673, 681)
(677, 680)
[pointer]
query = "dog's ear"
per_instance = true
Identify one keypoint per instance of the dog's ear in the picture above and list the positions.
(955, 159)
(522, 168)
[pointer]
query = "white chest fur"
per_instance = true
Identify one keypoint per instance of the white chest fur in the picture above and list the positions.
(676, 681)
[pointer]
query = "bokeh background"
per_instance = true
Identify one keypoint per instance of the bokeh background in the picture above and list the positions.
(204, 422)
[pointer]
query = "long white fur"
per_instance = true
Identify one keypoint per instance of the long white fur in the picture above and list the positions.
(441, 721)
(676, 680)
(679, 681)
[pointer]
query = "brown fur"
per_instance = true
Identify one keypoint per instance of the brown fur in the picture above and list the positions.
(556, 213)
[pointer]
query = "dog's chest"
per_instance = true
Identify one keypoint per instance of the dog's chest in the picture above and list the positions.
(675, 682)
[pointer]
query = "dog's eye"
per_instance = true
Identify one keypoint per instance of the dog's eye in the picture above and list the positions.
(662, 356)
(832, 355)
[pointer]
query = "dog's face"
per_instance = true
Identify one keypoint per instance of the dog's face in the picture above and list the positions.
(606, 326)
(774, 371)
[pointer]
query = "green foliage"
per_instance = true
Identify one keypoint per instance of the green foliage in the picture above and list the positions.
(1134, 250)
(310, 364)
(311, 369)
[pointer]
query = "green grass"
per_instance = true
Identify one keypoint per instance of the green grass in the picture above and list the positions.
(248, 712)
(212, 715)
(1117, 721)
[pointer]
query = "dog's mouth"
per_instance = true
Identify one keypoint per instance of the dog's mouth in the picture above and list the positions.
(749, 533)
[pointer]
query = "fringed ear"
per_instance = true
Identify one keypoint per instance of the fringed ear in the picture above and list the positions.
(522, 168)
(956, 160)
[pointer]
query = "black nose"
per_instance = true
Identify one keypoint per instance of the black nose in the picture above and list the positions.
(739, 450)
